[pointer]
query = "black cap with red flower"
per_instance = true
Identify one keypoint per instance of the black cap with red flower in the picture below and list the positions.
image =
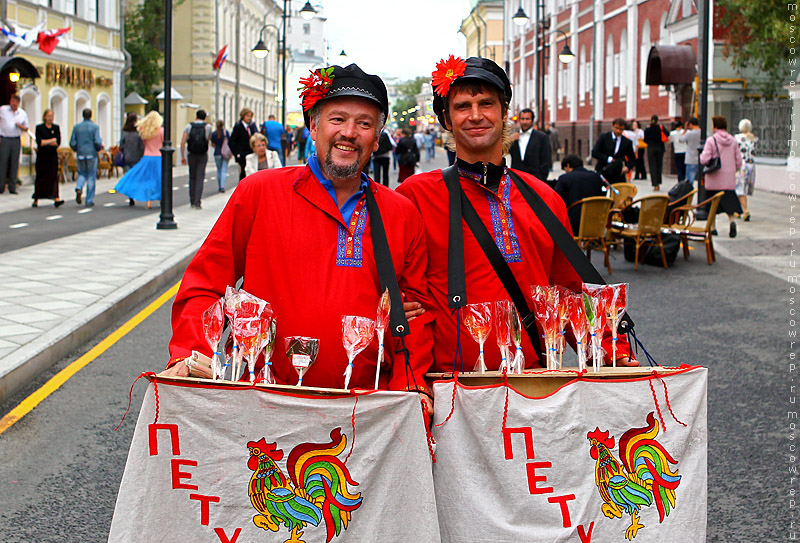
(335, 81)
(477, 69)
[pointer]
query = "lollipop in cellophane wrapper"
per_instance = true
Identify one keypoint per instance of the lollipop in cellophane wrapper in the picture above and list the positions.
(562, 314)
(478, 321)
(616, 302)
(249, 320)
(580, 327)
(268, 345)
(545, 303)
(302, 352)
(502, 326)
(596, 317)
(232, 300)
(381, 322)
(357, 333)
(213, 320)
(516, 337)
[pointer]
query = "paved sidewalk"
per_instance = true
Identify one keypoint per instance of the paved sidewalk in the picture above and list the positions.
(63, 292)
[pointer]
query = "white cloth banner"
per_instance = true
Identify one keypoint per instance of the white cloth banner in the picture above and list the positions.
(226, 465)
(593, 461)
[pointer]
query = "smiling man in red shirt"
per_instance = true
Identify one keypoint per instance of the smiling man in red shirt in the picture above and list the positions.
(471, 100)
(301, 238)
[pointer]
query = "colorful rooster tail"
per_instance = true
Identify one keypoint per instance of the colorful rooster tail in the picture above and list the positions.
(648, 460)
(316, 468)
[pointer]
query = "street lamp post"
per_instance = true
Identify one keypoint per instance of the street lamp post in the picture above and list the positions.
(261, 51)
(167, 219)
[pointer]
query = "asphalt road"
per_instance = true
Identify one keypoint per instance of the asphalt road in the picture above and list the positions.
(61, 465)
(30, 226)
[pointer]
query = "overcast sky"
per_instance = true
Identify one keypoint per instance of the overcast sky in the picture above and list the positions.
(401, 38)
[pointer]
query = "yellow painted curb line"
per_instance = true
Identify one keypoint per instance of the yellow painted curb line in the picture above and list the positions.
(55, 382)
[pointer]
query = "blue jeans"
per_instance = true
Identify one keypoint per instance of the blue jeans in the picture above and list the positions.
(691, 172)
(222, 170)
(87, 175)
(280, 156)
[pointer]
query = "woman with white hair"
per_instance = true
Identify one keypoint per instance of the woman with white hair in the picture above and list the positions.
(746, 175)
(143, 181)
(261, 158)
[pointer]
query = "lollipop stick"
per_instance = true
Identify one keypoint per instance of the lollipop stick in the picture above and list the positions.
(380, 358)
(614, 342)
(348, 372)
(481, 359)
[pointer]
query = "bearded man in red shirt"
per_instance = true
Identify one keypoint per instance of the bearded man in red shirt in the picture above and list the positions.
(471, 100)
(301, 238)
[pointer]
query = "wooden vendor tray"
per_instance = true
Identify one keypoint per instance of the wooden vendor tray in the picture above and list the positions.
(291, 389)
(542, 382)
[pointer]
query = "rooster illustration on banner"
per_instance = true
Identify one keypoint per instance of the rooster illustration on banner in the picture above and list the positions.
(644, 476)
(317, 488)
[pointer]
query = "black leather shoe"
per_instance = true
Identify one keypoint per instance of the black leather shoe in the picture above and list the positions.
(78, 196)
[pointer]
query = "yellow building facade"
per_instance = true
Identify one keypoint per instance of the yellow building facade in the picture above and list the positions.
(83, 71)
(483, 30)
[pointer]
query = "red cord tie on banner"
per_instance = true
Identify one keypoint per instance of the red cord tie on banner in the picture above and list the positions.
(130, 396)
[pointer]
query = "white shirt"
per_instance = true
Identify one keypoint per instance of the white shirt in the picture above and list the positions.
(677, 145)
(617, 141)
(9, 120)
(524, 138)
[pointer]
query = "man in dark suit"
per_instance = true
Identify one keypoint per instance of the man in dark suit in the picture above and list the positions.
(530, 152)
(614, 153)
(576, 184)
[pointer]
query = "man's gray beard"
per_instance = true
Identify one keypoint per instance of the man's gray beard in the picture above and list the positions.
(335, 171)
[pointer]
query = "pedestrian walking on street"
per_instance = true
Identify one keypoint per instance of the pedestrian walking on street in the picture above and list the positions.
(407, 155)
(275, 134)
(194, 146)
(555, 144)
(261, 158)
(678, 149)
(530, 152)
(300, 137)
(143, 181)
(222, 153)
(13, 122)
(636, 135)
(130, 144)
(721, 144)
(655, 136)
(430, 145)
(398, 135)
(382, 156)
(85, 141)
(240, 139)
(690, 136)
(746, 175)
(48, 138)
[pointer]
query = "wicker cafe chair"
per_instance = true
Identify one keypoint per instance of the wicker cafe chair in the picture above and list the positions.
(648, 229)
(688, 231)
(104, 163)
(623, 194)
(678, 210)
(64, 159)
(593, 225)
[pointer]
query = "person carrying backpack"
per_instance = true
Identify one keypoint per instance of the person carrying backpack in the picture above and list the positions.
(382, 156)
(194, 145)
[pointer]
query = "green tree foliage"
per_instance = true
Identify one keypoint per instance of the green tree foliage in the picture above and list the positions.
(144, 40)
(758, 37)
(407, 100)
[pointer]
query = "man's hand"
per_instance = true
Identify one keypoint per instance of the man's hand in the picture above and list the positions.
(178, 370)
(183, 160)
(413, 310)
(429, 404)
(625, 170)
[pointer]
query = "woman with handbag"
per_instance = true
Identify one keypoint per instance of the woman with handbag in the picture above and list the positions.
(131, 146)
(222, 153)
(720, 160)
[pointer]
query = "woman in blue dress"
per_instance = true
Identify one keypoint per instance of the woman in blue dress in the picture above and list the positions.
(143, 181)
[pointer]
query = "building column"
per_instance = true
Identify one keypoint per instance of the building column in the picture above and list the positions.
(633, 60)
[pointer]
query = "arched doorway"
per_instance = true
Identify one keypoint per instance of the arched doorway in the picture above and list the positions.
(82, 101)
(60, 107)
(104, 119)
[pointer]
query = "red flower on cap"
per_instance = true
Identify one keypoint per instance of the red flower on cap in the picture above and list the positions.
(446, 72)
(315, 87)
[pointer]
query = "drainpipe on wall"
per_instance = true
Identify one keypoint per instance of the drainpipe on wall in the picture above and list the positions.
(127, 67)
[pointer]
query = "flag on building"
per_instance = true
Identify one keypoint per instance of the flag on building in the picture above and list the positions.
(222, 56)
(26, 39)
(226, 463)
(48, 40)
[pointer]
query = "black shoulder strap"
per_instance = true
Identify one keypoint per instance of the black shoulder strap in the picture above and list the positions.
(496, 259)
(563, 239)
(383, 260)
(456, 280)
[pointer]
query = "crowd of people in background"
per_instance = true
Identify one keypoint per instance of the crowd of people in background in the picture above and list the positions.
(619, 155)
